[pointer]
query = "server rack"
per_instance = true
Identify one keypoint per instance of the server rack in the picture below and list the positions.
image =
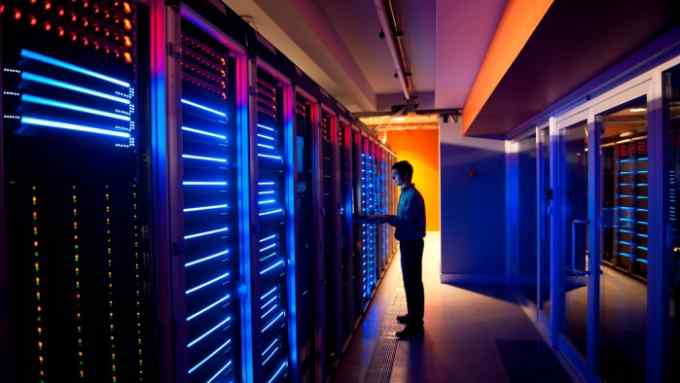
(207, 169)
(74, 205)
(625, 190)
(369, 249)
(310, 266)
(332, 243)
(347, 254)
(272, 225)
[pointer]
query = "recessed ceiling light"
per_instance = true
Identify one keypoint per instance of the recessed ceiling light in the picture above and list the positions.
(637, 110)
(399, 119)
(626, 134)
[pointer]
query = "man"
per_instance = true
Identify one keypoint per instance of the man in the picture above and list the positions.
(410, 231)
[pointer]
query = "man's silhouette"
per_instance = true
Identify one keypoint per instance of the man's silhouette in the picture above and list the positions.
(410, 231)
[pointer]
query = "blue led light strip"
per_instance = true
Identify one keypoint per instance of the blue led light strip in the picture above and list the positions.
(268, 293)
(208, 283)
(203, 107)
(31, 99)
(204, 208)
(278, 372)
(273, 245)
(210, 331)
(270, 212)
(269, 238)
(270, 356)
(266, 146)
(208, 307)
(75, 127)
(25, 53)
(269, 156)
(204, 183)
(204, 133)
(207, 358)
(266, 202)
(272, 267)
(266, 192)
(207, 258)
(221, 370)
(273, 321)
(266, 183)
(209, 232)
(68, 86)
(204, 158)
(266, 350)
(267, 303)
(265, 127)
(268, 311)
(270, 138)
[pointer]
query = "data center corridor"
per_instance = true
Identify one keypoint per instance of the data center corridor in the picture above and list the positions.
(472, 334)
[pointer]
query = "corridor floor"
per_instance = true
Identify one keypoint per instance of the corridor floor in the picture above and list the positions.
(471, 335)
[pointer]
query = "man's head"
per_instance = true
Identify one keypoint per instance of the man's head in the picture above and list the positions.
(402, 173)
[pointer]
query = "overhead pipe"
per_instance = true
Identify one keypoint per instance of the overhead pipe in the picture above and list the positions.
(389, 22)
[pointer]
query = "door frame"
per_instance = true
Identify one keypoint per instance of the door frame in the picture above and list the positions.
(649, 86)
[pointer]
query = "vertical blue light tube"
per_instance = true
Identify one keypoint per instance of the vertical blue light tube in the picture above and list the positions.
(289, 140)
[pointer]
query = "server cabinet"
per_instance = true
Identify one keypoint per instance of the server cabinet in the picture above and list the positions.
(357, 248)
(311, 312)
(347, 253)
(625, 194)
(332, 241)
(206, 173)
(369, 249)
(272, 225)
(73, 187)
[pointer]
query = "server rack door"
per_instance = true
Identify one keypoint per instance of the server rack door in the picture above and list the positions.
(307, 231)
(272, 227)
(206, 183)
(332, 242)
(73, 186)
(368, 231)
(346, 201)
(357, 229)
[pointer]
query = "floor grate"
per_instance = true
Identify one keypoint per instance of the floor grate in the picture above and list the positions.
(382, 361)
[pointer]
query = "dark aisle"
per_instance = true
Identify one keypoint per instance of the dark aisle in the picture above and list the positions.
(471, 335)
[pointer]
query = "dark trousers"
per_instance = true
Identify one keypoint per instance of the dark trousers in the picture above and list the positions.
(412, 270)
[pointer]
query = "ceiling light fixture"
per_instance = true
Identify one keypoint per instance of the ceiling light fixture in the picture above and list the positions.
(637, 110)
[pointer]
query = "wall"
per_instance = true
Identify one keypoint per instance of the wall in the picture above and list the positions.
(421, 149)
(473, 207)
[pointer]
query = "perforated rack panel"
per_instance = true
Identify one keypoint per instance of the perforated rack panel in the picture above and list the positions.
(629, 198)
(369, 233)
(306, 244)
(76, 249)
(209, 190)
(270, 283)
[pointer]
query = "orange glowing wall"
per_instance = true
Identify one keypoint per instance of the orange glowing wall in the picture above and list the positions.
(519, 20)
(421, 149)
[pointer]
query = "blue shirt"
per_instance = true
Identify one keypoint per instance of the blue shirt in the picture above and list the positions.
(410, 218)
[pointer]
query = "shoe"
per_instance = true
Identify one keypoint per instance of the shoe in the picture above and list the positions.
(410, 331)
(403, 319)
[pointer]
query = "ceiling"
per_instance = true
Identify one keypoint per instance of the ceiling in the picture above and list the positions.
(445, 43)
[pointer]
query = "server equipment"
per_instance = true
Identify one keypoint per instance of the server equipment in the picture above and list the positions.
(349, 314)
(206, 174)
(625, 194)
(74, 232)
(272, 225)
(369, 232)
(309, 301)
(333, 242)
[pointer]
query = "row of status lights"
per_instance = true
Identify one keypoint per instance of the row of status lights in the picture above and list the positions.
(119, 49)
